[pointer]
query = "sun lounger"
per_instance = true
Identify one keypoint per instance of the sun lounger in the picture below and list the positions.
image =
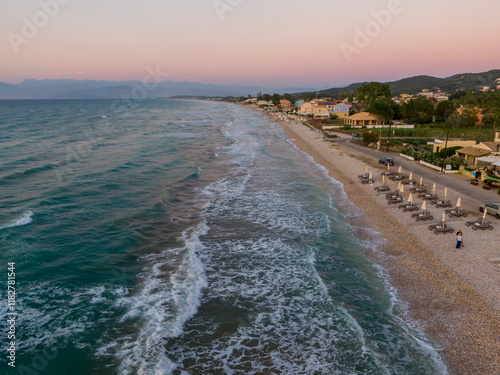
(408, 182)
(418, 189)
(440, 204)
(437, 225)
(443, 230)
(392, 194)
(382, 188)
(457, 213)
(472, 222)
(411, 208)
(483, 226)
(367, 181)
(363, 176)
(396, 177)
(426, 215)
(395, 200)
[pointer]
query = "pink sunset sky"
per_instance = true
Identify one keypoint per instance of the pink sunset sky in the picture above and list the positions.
(320, 43)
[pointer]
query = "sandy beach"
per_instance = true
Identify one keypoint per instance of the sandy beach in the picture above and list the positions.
(452, 295)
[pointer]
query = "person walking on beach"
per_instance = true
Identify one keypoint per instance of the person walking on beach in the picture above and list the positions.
(459, 239)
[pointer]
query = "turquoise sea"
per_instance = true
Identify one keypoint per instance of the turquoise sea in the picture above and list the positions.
(185, 237)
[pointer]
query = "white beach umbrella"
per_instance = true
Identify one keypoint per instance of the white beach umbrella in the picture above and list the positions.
(445, 192)
(434, 188)
(459, 202)
(444, 216)
(401, 188)
(399, 185)
(383, 179)
(399, 170)
(410, 198)
(411, 175)
(421, 181)
(424, 206)
(388, 167)
(484, 215)
(370, 176)
(366, 169)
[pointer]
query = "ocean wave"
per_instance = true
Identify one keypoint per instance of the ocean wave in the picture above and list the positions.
(23, 220)
(167, 300)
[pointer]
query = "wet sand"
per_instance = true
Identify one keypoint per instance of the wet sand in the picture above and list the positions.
(452, 295)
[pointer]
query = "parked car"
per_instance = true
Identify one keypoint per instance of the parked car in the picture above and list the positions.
(386, 161)
(491, 208)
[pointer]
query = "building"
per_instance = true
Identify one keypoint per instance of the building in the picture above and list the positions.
(439, 144)
(472, 154)
(320, 111)
(340, 110)
(362, 119)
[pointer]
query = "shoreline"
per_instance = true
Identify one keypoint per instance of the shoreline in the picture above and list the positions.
(450, 303)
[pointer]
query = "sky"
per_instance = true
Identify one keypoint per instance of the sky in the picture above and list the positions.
(280, 43)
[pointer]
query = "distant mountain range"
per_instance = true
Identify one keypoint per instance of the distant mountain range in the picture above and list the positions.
(414, 85)
(88, 89)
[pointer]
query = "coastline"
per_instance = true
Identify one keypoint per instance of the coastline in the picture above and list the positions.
(451, 295)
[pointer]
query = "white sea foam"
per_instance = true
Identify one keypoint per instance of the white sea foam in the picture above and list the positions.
(167, 300)
(23, 220)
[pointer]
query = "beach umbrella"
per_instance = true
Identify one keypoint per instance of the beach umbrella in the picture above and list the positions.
(484, 216)
(459, 202)
(421, 181)
(399, 185)
(410, 198)
(401, 188)
(399, 170)
(411, 175)
(383, 179)
(370, 177)
(424, 206)
(444, 216)
(445, 192)
(366, 169)
(388, 167)
(434, 188)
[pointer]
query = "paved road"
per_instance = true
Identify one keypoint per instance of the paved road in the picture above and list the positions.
(459, 184)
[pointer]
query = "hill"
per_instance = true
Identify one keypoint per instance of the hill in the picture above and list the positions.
(414, 85)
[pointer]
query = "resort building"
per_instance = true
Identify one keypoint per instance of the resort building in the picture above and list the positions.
(439, 144)
(362, 119)
(320, 111)
(340, 110)
(473, 154)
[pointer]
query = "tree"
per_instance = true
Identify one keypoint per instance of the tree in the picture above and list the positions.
(374, 90)
(369, 137)
(266, 97)
(307, 96)
(276, 99)
(418, 110)
(382, 108)
(467, 119)
(289, 97)
(444, 109)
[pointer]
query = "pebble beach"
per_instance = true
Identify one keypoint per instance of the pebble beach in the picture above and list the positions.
(452, 294)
